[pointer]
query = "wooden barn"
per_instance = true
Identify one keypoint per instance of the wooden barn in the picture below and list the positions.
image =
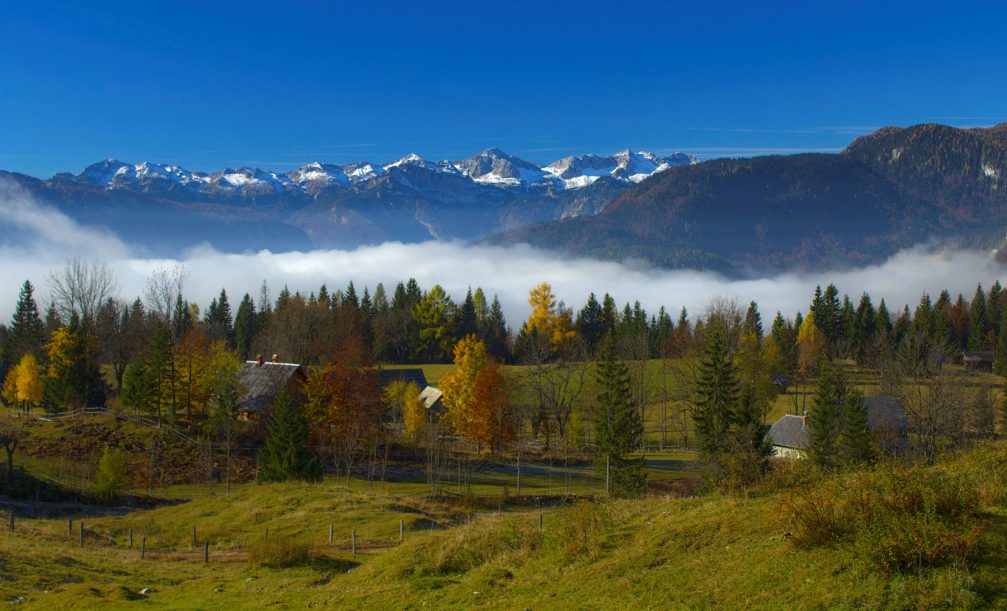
(261, 381)
(979, 360)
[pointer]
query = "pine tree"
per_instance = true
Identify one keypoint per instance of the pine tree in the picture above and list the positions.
(465, 322)
(617, 424)
(589, 323)
(245, 327)
(496, 333)
(977, 321)
(753, 320)
(27, 331)
(138, 387)
(1000, 362)
(854, 443)
(284, 455)
(827, 417)
(717, 397)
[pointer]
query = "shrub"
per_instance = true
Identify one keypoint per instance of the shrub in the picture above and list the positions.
(112, 478)
(896, 518)
(278, 553)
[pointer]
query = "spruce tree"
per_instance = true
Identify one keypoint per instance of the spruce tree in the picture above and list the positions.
(1000, 354)
(245, 327)
(27, 331)
(589, 323)
(717, 397)
(617, 423)
(854, 443)
(284, 455)
(496, 333)
(977, 321)
(753, 320)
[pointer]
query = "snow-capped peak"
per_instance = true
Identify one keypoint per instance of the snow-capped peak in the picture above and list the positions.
(319, 174)
(493, 166)
(488, 167)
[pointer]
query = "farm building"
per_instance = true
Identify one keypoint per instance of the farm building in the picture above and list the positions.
(261, 381)
(885, 419)
(432, 400)
(980, 360)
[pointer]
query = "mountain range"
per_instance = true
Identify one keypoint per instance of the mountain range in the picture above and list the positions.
(165, 208)
(888, 190)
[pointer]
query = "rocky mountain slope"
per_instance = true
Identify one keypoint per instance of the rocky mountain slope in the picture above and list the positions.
(164, 207)
(891, 189)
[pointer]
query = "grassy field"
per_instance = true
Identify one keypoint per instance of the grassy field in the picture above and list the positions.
(654, 553)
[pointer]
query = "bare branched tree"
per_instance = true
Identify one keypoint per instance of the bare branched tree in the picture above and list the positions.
(80, 289)
(163, 290)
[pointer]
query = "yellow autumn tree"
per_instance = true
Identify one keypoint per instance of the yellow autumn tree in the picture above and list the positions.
(405, 397)
(459, 385)
(9, 393)
(812, 346)
(547, 318)
(29, 382)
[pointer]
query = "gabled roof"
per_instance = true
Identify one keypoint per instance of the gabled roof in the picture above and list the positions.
(883, 414)
(414, 375)
(261, 383)
(789, 432)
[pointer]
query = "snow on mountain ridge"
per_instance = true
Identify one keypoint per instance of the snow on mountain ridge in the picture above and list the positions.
(489, 167)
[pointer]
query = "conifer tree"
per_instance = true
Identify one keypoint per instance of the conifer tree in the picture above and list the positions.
(496, 333)
(753, 320)
(284, 455)
(27, 332)
(977, 321)
(1000, 354)
(245, 327)
(617, 424)
(717, 397)
(854, 444)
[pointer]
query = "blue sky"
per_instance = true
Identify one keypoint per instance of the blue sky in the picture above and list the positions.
(275, 86)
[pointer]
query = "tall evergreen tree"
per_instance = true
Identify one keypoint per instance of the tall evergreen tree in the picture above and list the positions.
(27, 332)
(753, 320)
(588, 323)
(245, 327)
(495, 333)
(617, 423)
(717, 397)
(853, 445)
(977, 321)
(465, 321)
(284, 454)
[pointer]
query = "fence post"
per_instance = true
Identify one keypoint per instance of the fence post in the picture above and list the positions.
(81, 531)
(540, 522)
(353, 542)
(206, 552)
(69, 527)
(402, 531)
(330, 533)
(130, 538)
(10, 520)
(143, 547)
(193, 537)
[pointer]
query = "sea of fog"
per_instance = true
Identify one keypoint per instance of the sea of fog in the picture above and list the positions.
(48, 237)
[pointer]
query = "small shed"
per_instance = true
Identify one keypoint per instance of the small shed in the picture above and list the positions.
(978, 360)
(262, 381)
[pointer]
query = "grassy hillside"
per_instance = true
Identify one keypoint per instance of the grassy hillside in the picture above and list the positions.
(658, 552)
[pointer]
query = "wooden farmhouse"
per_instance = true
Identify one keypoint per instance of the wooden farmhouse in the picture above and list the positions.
(261, 381)
(886, 420)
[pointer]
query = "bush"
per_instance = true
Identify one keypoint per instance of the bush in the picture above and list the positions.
(278, 553)
(896, 518)
(112, 478)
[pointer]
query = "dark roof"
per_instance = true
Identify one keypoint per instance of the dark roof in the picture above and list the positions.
(978, 356)
(414, 375)
(781, 379)
(883, 414)
(789, 432)
(261, 383)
